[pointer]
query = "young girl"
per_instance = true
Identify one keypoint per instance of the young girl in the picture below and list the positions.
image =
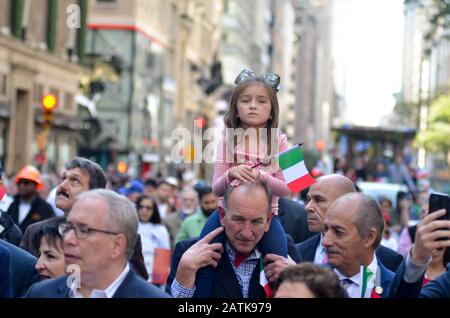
(253, 108)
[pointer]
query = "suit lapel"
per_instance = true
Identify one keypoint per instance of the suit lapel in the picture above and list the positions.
(386, 277)
(62, 290)
(310, 251)
(123, 291)
(227, 278)
(255, 290)
(15, 211)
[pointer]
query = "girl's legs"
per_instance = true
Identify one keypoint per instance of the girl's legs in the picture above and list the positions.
(274, 241)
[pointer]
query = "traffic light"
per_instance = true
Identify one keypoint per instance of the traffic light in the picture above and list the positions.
(216, 78)
(122, 167)
(200, 122)
(49, 103)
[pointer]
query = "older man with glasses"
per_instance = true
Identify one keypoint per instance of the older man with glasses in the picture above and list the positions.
(99, 238)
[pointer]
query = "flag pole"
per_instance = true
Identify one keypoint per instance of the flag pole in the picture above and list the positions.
(259, 163)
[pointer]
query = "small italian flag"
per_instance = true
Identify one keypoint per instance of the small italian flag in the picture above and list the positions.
(366, 276)
(263, 280)
(292, 165)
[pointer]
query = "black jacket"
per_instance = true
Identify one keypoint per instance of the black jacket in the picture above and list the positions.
(292, 216)
(132, 287)
(23, 272)
(40, 210)
(225, 283)
(9, 231)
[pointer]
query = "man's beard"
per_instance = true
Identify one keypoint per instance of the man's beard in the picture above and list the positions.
(188, 211)
(208, 212)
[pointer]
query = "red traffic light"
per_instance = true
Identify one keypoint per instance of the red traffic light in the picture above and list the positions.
(122, 167)
(49, 102)
(200, 122)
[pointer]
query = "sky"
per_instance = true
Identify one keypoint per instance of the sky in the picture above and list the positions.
(367, 49)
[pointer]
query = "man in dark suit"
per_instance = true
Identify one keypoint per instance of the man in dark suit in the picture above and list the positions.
(245, 218)
(320, 196)
(23, 272)
(293, 217)
(98, 240)
(5, 273)
(80, 175)
(390, 258)
(431, 234)
(353, 228)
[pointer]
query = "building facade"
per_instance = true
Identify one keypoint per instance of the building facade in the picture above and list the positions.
(314, 90)
(38, 56)
(160, 52)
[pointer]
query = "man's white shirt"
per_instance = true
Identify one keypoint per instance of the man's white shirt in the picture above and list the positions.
(320, 257)
(98, 293)
(354, 289)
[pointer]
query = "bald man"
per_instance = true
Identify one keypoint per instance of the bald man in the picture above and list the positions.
(321, 195)
(353, 228)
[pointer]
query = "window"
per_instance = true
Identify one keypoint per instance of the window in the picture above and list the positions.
(68, 101)
(3, 85)
(38, 93)
(55, 92)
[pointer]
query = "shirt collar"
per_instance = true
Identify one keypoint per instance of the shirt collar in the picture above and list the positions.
(232, 254)
(356, 279)
(98, 293)
(322, 248)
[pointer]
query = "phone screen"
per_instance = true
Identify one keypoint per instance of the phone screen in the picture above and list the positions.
(439, 201)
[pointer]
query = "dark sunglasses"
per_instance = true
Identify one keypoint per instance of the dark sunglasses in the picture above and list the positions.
(147, 207)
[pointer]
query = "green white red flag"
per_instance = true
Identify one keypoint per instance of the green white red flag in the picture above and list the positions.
(263, 280)
(295, 173)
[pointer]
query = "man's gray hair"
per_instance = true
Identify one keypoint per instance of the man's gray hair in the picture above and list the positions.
(189, 189)
(368, 216)
(122, 215)
(249, 186)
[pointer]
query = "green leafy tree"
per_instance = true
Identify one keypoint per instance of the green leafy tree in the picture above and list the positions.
(436, 138)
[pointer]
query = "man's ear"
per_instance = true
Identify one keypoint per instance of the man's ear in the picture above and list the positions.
(371, 238)
(269, 220)
(221, 214)
(120, 243)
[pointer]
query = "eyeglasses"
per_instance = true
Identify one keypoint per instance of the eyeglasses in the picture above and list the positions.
(81, 232)
(147, 207)
(271, 79)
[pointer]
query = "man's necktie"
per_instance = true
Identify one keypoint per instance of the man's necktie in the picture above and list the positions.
(346, 283)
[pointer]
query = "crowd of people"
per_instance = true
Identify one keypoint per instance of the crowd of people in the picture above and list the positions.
(90, 236)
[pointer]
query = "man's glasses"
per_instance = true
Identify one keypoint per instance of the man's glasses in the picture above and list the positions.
(81, 232)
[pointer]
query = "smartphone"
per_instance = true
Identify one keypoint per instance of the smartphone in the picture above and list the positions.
(439, 201)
